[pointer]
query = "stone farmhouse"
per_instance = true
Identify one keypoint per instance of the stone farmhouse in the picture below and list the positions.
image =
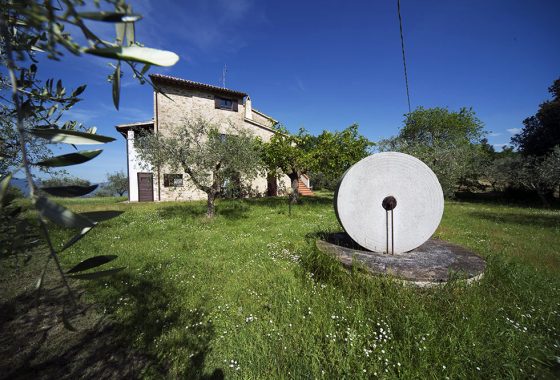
(183, 99)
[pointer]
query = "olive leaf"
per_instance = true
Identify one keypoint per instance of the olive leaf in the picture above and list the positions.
(56, 135)
(70, 158)
(79, 90)
(75, 238)
(137, 54)
(4, 186)
(69, 191)
(117, 85)
(61, 215)
(120, 28)
(130, 38)
(110, 16)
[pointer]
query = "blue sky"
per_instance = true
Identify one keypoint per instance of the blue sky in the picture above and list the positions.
(328, 64)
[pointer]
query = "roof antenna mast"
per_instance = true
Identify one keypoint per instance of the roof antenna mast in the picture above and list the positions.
(224, 72)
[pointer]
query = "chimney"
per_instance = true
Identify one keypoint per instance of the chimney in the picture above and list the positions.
(248, 109)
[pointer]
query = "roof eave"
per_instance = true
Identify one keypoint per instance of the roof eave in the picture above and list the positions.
(265, 115)
(124, 128)
(165, 79)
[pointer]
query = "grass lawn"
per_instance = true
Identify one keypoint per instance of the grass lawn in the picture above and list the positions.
(247, 295)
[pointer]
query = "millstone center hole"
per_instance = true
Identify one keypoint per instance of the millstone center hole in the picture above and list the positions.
(389, 203)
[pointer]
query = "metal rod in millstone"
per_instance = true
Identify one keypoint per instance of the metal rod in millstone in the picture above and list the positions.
(389, 203)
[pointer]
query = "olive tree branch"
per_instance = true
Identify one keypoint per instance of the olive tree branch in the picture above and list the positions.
(10, 63)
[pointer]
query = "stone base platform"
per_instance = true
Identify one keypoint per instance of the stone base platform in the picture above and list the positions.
(433, 263)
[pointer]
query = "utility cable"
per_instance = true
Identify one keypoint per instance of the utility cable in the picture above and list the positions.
(403, 55)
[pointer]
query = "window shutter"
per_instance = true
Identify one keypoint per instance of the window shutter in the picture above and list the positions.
(234, 104)
(216, 102)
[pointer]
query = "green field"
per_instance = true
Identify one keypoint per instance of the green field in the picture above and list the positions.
(247, 295)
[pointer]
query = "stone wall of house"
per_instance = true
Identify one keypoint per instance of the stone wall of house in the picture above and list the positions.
(183, 104)
(262, 120)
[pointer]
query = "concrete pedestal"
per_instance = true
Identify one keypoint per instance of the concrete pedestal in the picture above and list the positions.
(433, 263)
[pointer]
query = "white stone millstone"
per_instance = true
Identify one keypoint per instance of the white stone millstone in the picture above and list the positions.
(413, 184)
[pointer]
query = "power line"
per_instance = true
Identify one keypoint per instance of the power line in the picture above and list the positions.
(403, 55)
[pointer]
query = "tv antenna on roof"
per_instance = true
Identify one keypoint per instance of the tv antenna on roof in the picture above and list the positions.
(224, 72)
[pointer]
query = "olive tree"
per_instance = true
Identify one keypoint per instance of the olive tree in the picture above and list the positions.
(447, 141)
(31, 108)
(538, 174)
(117, 183)
(208, 155)
(64, 181)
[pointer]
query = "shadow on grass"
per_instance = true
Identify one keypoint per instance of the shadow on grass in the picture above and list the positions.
(518, 199)
(228, 209)
(283, 201)
(235, 209)
(150, 315)
(541, 221)
(340, 238)
(34, 343)
(101, 216)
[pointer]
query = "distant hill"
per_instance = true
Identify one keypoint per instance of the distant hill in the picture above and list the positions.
(99, 188)
(21, 184)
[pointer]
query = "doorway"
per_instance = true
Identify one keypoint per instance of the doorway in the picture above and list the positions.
(145, 187)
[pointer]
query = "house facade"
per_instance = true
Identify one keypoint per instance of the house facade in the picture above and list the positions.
(184, 99)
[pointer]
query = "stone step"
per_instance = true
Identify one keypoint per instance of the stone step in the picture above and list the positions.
(304, 190)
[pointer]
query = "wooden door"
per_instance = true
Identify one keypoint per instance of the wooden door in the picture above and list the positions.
(272, 188)
(145, 187)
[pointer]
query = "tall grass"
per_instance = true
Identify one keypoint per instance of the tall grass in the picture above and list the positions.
(247, 295)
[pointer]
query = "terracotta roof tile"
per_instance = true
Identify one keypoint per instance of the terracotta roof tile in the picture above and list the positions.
(166, 79)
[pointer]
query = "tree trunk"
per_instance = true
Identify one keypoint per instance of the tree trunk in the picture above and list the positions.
(542, 197)
(212, 192)
(294, 178)
(272, 184)
(210, 206)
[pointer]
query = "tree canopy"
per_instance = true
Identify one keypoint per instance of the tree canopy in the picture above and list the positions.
(205, 153)
(330, 153)
(433, 126)
(336, 152)
(541, 132)
(117, 183)
(289, 153)
(64, 181)
(449, 142)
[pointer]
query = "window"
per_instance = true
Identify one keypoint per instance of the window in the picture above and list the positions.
(226, 104)
(172, 180)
